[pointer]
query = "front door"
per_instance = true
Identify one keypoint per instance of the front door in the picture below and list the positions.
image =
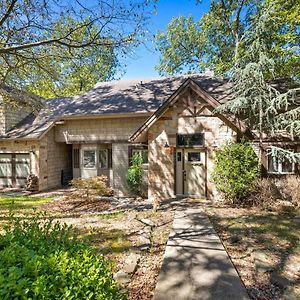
(190, 172)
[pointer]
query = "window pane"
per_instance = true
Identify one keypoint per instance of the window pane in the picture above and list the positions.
(89, 159)
(189, 140)
(272, 164)
(287, 166)
(194, 156)
(103, 159)
(143, 153)
(145, 156)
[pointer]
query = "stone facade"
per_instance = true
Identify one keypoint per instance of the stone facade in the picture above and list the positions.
(162, 145)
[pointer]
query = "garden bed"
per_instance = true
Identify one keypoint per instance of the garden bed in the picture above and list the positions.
(264, 247)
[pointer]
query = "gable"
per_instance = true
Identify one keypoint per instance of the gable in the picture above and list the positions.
(195, 102)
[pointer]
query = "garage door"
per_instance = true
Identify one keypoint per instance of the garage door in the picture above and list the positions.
(14, 169)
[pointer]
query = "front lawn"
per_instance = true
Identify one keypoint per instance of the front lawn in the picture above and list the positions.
(21, 203)
(264, 247)
(117, 228)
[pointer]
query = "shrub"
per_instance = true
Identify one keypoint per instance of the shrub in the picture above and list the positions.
(45, 260)
(135, 174)
(91, 187)
(291, 187)
(236, 171)
(265, 194)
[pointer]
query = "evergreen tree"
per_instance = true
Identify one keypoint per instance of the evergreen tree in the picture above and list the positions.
(261, 102)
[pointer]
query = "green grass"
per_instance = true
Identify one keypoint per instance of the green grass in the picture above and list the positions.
(113, 215)
(21, 203)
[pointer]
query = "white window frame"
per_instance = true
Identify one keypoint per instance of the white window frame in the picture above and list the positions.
(279, 168)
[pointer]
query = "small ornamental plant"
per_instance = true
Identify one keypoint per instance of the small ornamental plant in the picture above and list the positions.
(236, 171)
(135, 174)
(91, 187)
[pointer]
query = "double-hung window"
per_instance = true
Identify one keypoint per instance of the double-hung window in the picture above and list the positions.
(278, 165)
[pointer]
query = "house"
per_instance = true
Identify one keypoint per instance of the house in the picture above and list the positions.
(170, 121)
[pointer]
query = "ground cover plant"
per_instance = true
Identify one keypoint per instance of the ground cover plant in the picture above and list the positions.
(42, 259)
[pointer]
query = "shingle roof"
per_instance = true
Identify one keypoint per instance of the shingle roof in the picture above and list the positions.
(115, 97)
(14, 95)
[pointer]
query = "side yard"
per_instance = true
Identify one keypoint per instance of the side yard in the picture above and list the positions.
(264, 247)
(127, 231)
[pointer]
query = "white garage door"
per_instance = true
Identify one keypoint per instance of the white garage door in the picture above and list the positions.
(14, 169)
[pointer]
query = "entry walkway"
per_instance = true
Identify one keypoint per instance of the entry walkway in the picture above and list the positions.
(196, 265)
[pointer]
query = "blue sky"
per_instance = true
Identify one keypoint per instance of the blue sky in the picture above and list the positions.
(145, 58)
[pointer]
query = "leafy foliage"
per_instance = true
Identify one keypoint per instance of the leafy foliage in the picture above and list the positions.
(135, 174)
(236, 171)
(219, 38)
(44, 260)
(266, 106)
(91, 187)
(63, 48)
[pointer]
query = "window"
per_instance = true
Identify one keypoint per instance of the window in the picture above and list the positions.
(143, 153)
(280, 165)
(190, 140)
(103, 159)
(75, 158)
(89, 159)
(194, 156)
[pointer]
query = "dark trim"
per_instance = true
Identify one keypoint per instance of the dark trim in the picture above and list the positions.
(238, 125)
(13, 170)
(205, 170)
(135, 147)
(99, 142)
(183, 171)
(175, 171)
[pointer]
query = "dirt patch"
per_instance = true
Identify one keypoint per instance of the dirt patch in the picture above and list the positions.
(76, 206)
(264, 247)
(117, 229)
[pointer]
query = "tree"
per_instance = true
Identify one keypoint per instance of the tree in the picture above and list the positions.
(266, 104)
(47, 46)
(218, 39)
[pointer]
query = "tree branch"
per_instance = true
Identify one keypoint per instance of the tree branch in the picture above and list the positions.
(9, 10)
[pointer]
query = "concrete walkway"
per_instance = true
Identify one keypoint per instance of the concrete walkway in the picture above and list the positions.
(196, 265)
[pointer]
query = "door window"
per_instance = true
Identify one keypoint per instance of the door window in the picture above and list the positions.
(89, 159)
(194, 156)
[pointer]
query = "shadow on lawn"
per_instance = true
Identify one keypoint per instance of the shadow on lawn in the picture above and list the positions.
(269, 233)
